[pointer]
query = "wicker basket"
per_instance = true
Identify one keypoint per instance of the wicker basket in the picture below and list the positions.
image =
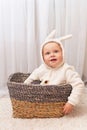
(35, 100)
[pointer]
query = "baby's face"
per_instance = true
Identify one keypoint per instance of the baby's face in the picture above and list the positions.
(52, 54)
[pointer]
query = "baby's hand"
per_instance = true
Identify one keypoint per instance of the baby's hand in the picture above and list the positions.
(68, 108)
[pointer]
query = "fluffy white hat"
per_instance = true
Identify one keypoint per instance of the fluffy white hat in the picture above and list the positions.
(51, 38)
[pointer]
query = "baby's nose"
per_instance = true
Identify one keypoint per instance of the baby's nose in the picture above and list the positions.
(52, 54)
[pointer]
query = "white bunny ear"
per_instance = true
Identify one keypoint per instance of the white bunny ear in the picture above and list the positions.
(51, 35)
(65, 37)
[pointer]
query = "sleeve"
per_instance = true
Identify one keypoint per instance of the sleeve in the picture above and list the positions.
(74, 79)
(33, 76)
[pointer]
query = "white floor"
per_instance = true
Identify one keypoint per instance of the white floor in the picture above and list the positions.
(3, 92)
(77, 120)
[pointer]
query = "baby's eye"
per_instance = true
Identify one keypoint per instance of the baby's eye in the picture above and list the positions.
(47, 53)
(56, 51)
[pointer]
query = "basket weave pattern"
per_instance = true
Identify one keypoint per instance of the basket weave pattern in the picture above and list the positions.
(35, 100)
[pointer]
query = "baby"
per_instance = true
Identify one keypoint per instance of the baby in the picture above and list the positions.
(55, 71)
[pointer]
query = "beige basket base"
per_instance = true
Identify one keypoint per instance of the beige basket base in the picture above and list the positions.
(24, 109)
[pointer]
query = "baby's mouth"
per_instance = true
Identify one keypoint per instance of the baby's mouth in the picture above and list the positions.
(53, 59)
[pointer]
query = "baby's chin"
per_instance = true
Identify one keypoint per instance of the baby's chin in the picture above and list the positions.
(53, 65)
(56, 65)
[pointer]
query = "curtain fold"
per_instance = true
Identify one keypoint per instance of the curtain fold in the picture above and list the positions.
(24, 25)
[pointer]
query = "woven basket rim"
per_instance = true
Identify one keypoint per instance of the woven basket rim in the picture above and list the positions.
(15, 83)
(11, 75)
(22, 83)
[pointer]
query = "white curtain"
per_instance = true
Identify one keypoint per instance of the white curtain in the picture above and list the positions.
(24, 25)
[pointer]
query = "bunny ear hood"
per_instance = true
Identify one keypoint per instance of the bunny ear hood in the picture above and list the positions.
(51, 38)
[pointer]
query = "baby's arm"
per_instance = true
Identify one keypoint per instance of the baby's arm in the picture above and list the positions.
(28, 81)
(74, 79)
(33, 76)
